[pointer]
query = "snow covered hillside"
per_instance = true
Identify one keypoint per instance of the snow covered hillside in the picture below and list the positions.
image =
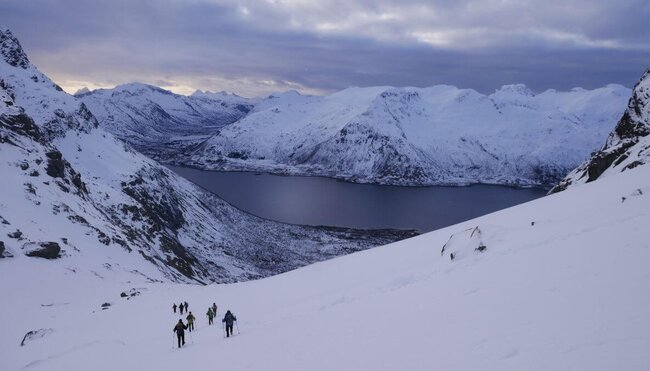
(154, 120)
(411, 136)
(558, 283)
(627, 146)
(73, 192)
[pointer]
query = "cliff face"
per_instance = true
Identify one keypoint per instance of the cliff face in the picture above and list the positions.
(627, 146)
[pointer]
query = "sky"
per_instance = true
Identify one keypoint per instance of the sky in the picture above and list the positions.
(254, 48)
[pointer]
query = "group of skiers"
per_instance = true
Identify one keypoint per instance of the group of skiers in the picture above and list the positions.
(228, 321)
(183, 306)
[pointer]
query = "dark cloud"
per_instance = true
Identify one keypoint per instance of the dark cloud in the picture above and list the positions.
(255, 47)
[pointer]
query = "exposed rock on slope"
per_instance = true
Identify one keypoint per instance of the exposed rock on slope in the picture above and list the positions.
(628, 146)
(68, 183)
(11, 50)
(45, 250)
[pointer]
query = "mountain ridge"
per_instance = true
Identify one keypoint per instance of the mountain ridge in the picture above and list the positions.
(155, 120)
(73, 188)
(440, 135)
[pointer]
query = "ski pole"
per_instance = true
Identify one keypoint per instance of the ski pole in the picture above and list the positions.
(192, 339)
(223, 326)
(173, 342)
(237, 324)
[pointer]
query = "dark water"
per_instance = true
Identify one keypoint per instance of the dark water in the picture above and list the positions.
(325, 201)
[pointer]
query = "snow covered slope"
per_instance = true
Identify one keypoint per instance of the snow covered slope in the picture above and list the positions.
(155, 120)
(71, 191)
(627, 146)
(411, 136)
(559, 283)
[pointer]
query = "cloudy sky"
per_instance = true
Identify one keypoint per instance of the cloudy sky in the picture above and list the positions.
(257, 47)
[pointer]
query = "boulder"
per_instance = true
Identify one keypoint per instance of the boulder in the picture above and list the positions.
(130, 293)
(46, 250)
(17, 234)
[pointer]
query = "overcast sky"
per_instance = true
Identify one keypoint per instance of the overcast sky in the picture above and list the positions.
(257, 47)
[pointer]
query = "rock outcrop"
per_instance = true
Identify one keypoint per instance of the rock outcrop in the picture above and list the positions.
(11, 50)
(627, 146)
(45, 250)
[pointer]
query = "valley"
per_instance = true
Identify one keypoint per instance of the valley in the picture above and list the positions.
(324, 201)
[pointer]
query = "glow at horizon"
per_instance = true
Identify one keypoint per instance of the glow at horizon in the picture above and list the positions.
(257, 47)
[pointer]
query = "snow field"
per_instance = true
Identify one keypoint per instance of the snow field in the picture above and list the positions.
(567, 293)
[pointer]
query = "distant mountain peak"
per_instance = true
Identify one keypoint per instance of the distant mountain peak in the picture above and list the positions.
(82, 91)
(218, 95)
(288, 93)
(139, 86)
(519, 89)
(208, 92)
(11, 50)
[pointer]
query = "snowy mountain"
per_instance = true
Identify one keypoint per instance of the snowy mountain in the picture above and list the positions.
(155, 120)
(627, 146)
(558, 283)
(401, 136)
(412, 136)
(72, 191)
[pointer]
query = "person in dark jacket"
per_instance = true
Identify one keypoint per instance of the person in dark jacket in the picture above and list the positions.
(179, 329)
(214, 309)
(174, 307)
(229, 319)
(210, 315)
(181, 307)
(190, 321)
(187, 307)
